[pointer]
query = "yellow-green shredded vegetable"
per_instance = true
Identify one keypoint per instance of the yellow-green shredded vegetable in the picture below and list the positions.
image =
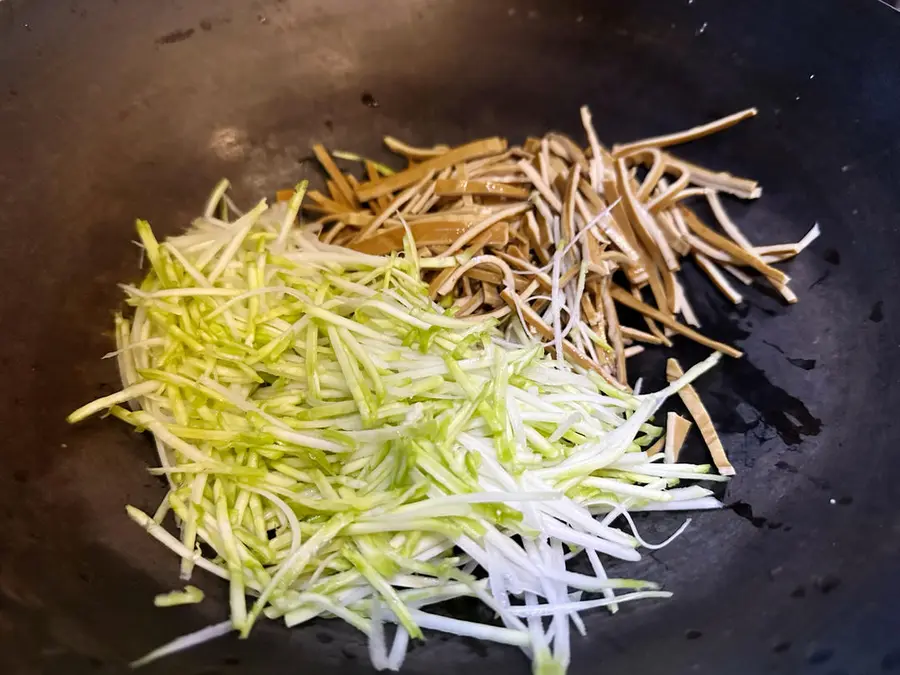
(343, 447)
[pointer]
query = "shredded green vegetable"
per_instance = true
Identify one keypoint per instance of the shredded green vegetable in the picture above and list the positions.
(383, 169)
(189, 596)
(347, 448)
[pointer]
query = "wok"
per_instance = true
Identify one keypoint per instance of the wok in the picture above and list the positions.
(111, 110)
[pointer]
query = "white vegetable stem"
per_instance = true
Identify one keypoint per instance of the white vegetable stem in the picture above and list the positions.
(344, 447)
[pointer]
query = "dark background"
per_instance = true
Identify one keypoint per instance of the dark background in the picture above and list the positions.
(112, 110)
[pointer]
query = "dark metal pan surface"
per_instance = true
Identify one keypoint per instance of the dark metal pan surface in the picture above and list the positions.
(111, 110)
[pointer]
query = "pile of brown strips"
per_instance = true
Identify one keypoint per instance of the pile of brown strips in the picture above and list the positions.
(539, 232)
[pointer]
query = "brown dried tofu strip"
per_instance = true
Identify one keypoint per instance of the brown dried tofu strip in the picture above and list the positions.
(612, 329)
(528, 291)
(730, 227)
(414, 154)
(652, 258)
(669, 195)
(541, 277)
(466, 285)
(668, 279)
(718, 278)
(415, 205)
(696, 243)
(380, 204)
(438, 281)
(326, 220)
(644, 222)
(459, 272)
(573, 153)
(518, 235)
(329, 237)
(724, 244)
(651, 324)
(719, 180)
(615, 258)
(336, 195)
(504, 165)
(687, 193)
(600, 324)
(431, 233)
(394, 206)
(733, 231)
(324, 204)
(657, 447)
(498, 313)
(440, 284)
(402, 179)
(589, 216)
(482, 225)
(517, 232)
(569, 189)
(481, 274)
(457, 188)
(669, 228)
(623, 297)
(622, 230)
(684, 136)
(509, 178)
(545, 188)
(741, 276)
(467, 305)
(587, 309)
(335, 174)
(677, 428)
(556, 167)
(474, 165)
(461, 172)
(780, 250)
(567, 276)
(651, 157)
(640, 336)
(601, 159)
(460, 215)
(361, 218)
(695, 406)
(575, 355)
(593, 253)
(517, 251)
(542, 249)
(491, 294)
(343, 238)
(532, 145)
(354, 183)
(535, 237)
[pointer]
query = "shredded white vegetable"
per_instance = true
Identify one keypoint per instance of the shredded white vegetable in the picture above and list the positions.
(346, 448)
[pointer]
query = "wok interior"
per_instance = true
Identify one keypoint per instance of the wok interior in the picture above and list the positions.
(118, 111)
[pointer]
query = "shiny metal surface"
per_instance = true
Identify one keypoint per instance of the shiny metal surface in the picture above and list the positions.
(112, 110)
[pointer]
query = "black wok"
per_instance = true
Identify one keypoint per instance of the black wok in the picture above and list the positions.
(112, 109)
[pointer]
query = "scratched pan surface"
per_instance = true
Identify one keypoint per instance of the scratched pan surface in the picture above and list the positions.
(112, 110)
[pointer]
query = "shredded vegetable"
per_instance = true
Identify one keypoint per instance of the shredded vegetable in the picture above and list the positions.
(189, 596)
(335, 444)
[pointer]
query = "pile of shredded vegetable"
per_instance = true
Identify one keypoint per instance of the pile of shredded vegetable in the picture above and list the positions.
(336, 444)
(540, 230)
